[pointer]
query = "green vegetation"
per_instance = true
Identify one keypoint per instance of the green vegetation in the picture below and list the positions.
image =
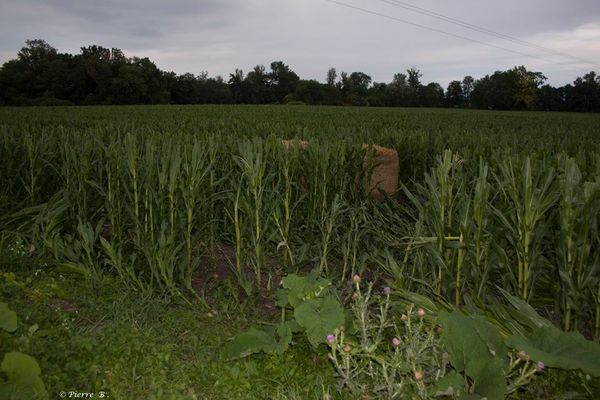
(184, 252)
(41, 76)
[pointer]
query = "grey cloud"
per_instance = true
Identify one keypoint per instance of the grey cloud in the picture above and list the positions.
(310, 35)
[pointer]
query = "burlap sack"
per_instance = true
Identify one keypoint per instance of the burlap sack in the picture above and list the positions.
(303, 144)
(384, 173)
(385, 170)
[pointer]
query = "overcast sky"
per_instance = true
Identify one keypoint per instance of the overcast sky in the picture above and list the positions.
(313, 35)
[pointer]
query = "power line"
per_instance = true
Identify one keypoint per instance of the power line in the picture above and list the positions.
(477, 28)
(339, 3)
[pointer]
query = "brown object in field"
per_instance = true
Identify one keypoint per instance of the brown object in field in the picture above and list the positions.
(384, 174)
(385, 171)
(289, 143)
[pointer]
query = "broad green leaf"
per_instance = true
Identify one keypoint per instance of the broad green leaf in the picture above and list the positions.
(558, 349)
(301, 288)
(284, 332)
(17, 365)
(8, 318)
(282, 297)
(24, 382)
(490, 335)
(488, 377)
(292, 325)
(469, 338)
(250, 342)
(256, 341)
(476, 348)
(319, 317)
(450, 385)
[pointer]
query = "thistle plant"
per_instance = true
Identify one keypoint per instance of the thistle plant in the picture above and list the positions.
(386, 356)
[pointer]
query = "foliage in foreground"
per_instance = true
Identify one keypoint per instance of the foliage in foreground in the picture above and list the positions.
(22, 371)
(94, 335)
(390, 349)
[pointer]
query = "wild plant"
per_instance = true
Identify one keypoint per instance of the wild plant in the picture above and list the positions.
(383, 356)
(196, 189)
(252, 165)
(330, 218)
(481, 219)
(528, 197)
(578, 212)
(288, 163)
(437, 204)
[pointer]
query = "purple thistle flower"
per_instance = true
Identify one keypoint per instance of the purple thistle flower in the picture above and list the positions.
(540, 365)
(396, 342)
(331, 339)
(386, 291)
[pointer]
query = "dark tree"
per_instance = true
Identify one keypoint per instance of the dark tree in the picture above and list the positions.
(414, 86)
(467, 89)
(258, 86)
(454, 95)
(431, 95)
(331, 77)
(551, 98)
(282, 81)
(309, 92)
(584, 95)
(355, 87)
(514, 89)
(40, 75)
(398, 90)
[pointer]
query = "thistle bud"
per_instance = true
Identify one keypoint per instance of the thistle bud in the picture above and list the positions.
(331, 339)
(540, 366)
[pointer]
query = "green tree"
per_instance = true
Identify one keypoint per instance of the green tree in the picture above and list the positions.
(454, 94)
(310, 92)
(414, 86)
(282, 80)
(467, 89)
(398, 90)
(355, 87)
(258, 86)
(584, 94)
(431, 95)
(331, 77)
(515, 89)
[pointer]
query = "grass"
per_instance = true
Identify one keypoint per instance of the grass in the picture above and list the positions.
(96, 335)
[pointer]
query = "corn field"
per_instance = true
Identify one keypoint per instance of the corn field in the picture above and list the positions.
(488, 201)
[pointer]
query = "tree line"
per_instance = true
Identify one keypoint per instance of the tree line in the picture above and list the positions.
(40, 75)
